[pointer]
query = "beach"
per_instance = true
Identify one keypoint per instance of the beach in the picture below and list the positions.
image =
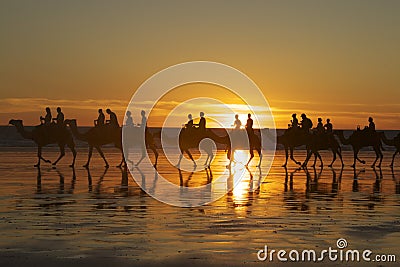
(100, 216)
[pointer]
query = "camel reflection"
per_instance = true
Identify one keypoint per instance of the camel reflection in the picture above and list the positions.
(61, 185)
(396, 182)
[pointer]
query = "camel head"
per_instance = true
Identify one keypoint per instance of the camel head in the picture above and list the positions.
(15, 122)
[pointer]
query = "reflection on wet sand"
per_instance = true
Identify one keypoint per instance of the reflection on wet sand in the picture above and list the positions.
(83, 211)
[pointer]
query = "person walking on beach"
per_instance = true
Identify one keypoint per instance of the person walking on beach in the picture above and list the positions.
(328, 126)
(237, 123)
(46, 120)
(113, 121)
(60, 117)
(100, 118)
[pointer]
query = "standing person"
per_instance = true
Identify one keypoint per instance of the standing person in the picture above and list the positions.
(328, 126)
(129, 120)
(46, 120)
(144, 119)
(100, 118)
(237, 123)
(113, 121)
(249, 124)
(60, 117)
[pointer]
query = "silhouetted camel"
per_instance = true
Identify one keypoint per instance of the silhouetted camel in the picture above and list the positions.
(44, 135)
(392, 142)
(191, 139)
(96, 137)
(133, 137)
(359, 139)
(291, 139)
(318, 142)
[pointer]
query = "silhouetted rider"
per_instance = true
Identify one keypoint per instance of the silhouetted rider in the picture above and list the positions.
(306, 123)
(202, 123)
(294, 121)
(249, 124)
(60, 117)
(328, 126)
(46, 120)
(129, 120)
(320, 127)
(371, 126)
(189, 124)
(113, 121)
(100, 118)
(237, 123)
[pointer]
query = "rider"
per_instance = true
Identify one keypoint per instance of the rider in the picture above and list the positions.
(249, 124)
(46, 120)
(320, 127)
(129, 120)
(60, 117)
(371, 126)
(113, 121)
(100, 118)
(328, 126)
(237, 123)
(202, 123)
(306, 123)
(294, 121)
(189, 124)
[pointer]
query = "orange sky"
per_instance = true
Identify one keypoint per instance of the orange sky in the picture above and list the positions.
(337, 59)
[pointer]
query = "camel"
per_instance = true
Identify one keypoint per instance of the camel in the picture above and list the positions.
(44, 135)
(192, 139)
(324, 141)
(359, 139)
(291, 139)
(96, 137)
(392, 142)
(133, 137)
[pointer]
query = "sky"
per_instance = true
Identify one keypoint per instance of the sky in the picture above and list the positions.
(329, 59)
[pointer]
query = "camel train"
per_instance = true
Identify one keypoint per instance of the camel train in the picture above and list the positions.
(62, 133)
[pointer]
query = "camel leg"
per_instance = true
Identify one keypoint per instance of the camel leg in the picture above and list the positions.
(292, 157)
(191, 157)
(122, 159)
(72, 148)
(320, 159)
(394, 155)
(378, 155)
(143, 156)
(102, 155)
(39, 155)
(340, 157)
(307, 159)
(62, 154)
(286, 157)
(89, 156)
(315, 160)
(180, 158)
(260, 155)
(251, 157)
(333, 159)
(381, 157)
(153, 148)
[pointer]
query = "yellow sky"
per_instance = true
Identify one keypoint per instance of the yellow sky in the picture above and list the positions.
(337, 59)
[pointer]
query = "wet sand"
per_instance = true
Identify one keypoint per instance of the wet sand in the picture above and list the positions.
(101, 217)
